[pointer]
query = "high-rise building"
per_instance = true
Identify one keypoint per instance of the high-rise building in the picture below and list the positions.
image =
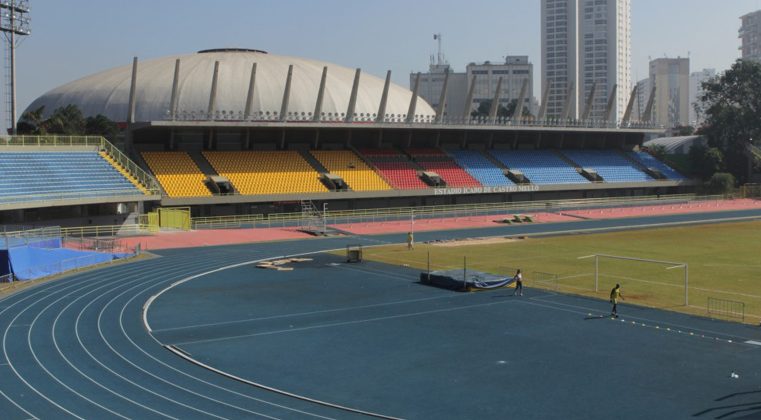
(514, 71)
(586, 44)
(696, 91)
(671, 78)
(750, 34)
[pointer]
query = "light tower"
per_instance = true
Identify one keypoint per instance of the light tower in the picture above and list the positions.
(14, 23)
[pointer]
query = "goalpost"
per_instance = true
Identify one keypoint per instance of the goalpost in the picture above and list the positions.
(670, 265)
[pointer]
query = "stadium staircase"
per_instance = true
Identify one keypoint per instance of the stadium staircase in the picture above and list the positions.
(124, 172)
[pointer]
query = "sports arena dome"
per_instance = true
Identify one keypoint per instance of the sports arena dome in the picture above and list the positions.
(108, 92)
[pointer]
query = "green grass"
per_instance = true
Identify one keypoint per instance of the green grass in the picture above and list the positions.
(724, 262)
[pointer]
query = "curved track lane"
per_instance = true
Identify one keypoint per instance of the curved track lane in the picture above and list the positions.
(78, 348)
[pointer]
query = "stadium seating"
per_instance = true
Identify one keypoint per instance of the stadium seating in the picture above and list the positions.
(124, 172)
(611, 165)
(177, 174)
(435, 160)
(541, 167)
(395, 168)
(267, 172)
(650, 161)
(26, 176)
(346, 164)
(480, 168)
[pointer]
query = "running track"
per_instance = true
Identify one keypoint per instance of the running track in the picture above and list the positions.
(78, 348)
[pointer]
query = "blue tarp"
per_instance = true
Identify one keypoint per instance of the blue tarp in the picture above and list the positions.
(28, 263)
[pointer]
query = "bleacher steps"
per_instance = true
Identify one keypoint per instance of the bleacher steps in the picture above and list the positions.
(201, 162)
(124, 172)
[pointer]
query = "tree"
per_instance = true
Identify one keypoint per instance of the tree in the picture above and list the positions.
(31, 122)
(484, 108)
(732, 103)
(706, 161)
(721, 183)
(67, 120)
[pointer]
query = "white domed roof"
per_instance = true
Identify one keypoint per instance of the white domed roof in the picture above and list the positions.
(107, 92)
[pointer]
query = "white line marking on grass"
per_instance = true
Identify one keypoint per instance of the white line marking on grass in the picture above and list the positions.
(754, 342)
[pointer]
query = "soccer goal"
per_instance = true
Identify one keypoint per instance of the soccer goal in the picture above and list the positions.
(641, 274)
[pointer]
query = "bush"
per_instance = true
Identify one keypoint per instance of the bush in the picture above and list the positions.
(721, 183)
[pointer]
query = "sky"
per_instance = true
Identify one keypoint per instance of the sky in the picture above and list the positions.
(75, 38)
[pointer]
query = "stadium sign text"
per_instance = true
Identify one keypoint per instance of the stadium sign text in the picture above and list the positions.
(486, 190)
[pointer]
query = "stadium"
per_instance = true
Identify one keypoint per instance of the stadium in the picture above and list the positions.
(238, 251)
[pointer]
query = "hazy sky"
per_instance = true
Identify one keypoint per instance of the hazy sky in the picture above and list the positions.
(74, 38)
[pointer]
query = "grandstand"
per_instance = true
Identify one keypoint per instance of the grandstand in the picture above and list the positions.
(348, 141)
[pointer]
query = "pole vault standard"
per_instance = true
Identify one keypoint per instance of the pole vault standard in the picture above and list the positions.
(671, 265)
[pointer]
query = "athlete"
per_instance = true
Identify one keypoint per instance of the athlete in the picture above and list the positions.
(518, 277)
(615, 294)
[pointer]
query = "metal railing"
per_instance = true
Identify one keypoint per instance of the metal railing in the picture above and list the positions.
(417, 120)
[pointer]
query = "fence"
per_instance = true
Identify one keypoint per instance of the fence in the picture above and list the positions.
(726, 308)
(36, 271)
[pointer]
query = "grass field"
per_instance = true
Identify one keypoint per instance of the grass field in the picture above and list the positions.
(724, 262)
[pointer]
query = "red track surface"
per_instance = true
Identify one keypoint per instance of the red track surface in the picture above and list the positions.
(693, 207)
(201, 238)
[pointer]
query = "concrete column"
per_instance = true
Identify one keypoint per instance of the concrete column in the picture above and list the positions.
(469, 101)
(413, 100)
(133, 86)
(567, 104)
(545, 98)
(629, 107)
(443, 99)
(590, 100)
(320, 95)
(175, 84)
(384, 99)
(213, 94)
(250, 96)
(353, 97)
(286, 95)
(495, 102)
(611, 102)
(518, 113)
(648, 114)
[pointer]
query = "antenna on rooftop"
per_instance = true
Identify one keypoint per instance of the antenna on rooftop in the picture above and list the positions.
(437, 37)
(13, 21)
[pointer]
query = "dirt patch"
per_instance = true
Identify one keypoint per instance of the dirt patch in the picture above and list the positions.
(476, 241)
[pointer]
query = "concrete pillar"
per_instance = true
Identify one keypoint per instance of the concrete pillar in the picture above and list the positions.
(518, 113)
(495, 102)
(175, 85)
(469, 101)
(286, 96)
(320, 95)
(384, 99)
(133, 86)
(567, 105)
(413, 100)
(213, 94)
(545, 98)
(250, 96)
(629, 107)
(611, 103)
(590, 102)
(353, 97)
(442, 99)
(648, 114)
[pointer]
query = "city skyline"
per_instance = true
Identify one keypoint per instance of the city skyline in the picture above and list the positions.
(392, 36)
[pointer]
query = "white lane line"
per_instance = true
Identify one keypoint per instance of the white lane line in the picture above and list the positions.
(753, 342)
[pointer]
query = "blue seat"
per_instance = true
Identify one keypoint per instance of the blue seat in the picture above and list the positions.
(27, 176)
(541, 167)
(611, 165)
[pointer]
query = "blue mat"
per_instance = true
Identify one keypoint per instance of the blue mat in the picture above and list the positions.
(462, 280)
